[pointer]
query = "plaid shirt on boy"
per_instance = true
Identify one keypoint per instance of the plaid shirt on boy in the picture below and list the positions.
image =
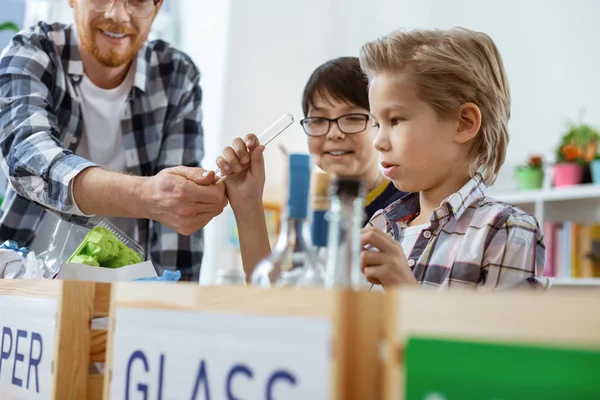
(471, 241)
(41, 126)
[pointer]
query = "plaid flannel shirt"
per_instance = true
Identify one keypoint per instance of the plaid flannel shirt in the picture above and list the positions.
(471, 241)
(41, 126)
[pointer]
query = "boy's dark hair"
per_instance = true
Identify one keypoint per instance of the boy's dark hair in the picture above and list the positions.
(342, 79)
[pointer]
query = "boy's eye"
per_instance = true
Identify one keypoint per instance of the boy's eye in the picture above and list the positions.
(396, 121)
(318, 121)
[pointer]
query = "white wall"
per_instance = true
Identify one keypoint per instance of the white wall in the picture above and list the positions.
(255, 58)
(205, 39)
(549, 50)
(273, 47)
(548, 47)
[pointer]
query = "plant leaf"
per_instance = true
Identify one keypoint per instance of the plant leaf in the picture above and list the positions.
(9, 26)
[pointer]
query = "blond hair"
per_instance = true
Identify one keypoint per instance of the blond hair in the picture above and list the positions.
(450, 68)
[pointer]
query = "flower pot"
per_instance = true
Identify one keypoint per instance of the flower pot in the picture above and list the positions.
(529, 178)
(567, 174)
(595, 167)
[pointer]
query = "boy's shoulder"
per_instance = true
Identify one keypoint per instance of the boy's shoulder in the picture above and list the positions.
(499, 214)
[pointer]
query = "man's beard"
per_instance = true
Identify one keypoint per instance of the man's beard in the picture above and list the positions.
(113, 57)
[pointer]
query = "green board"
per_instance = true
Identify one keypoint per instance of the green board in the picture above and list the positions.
(459, 370)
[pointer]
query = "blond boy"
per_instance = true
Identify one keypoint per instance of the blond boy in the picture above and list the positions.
(441, 102)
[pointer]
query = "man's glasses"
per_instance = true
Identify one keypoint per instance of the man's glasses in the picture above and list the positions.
(135, 8)
(348, 124)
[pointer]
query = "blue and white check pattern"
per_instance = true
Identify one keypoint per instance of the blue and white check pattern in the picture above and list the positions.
(41, 126)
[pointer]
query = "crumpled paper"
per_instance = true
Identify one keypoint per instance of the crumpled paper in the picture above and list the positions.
(20, 263)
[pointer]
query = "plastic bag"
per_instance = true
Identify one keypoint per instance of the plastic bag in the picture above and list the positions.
(68, 236)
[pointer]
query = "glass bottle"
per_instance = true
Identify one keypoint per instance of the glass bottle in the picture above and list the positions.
(292, 261)
(346, 215)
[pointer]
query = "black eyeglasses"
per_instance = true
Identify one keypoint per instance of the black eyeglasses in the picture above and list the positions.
(348, 124)
(135, 8)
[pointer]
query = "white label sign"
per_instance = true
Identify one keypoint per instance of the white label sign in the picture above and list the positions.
(27, 332)
(174, 355)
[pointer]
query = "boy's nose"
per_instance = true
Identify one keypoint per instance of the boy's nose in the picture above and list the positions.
(381, 142)
(334, 132)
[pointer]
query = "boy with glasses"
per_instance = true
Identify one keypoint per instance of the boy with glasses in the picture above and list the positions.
(96, 120)
(340, 139)
(340, 134)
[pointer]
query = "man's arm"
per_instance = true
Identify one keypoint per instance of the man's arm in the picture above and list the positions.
(41, 170)
(37, 166)
(182, 198)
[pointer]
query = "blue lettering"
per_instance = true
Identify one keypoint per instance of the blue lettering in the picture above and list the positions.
(242, 369)
(201, 378)
(161, 368)
(34, 362)
(18, 357)
(278, 375)
(4, 354)
(138, 354)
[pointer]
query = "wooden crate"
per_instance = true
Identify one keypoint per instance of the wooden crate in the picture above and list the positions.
(62, 312)
(184, 323)
(566, 318)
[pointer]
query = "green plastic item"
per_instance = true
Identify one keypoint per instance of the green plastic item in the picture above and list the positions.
(83, 259)
(102, 248)
(459, 370)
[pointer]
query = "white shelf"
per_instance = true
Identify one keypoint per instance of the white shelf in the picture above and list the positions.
(576, 282)
(576, 192)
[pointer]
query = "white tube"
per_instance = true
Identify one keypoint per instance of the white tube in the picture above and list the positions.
(269, 134)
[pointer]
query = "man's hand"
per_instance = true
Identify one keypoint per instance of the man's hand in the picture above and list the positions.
(388, 266)
(183, 198)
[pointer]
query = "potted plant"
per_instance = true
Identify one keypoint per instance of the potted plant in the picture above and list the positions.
(530, 175)
(574, 154)
(595, 169)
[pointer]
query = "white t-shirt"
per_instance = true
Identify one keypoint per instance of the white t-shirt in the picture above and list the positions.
(409, 236)
(102, 111)
(101, 143)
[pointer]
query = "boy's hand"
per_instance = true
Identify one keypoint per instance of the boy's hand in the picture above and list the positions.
(388, 266)
(244, 165)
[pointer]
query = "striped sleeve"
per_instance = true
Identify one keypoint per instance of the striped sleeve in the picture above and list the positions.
(39, 169)
(515, 255)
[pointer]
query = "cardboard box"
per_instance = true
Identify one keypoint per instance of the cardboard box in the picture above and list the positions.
(80, 272)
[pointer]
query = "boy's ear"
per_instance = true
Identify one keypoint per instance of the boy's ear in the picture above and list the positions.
(469, 123)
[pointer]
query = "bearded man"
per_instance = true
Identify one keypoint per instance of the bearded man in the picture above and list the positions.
(95, 120)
